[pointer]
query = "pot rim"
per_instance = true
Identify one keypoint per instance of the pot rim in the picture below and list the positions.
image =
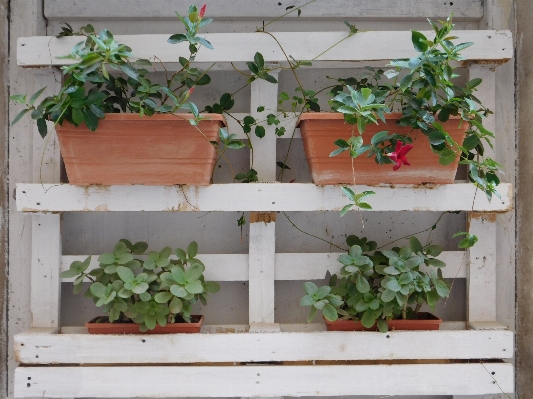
(334, 116)
(108, 324)
(161, 117)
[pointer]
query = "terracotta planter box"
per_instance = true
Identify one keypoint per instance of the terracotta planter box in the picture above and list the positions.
(128, 149)
(320, 130)
(133, 328)
(427, 321)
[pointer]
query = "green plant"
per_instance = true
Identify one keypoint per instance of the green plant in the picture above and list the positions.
(150, 291)
(423, 90)
(379, 285)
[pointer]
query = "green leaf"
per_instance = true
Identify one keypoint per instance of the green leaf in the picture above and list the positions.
(195, 287)
(329, 312)
(310, 288)
(368, 319)
(98, 289)
(178, 291)
(212, 286)
(362, 284)
(77, 116)
(20, 115)
(91, 120)
(130, 71)
(435, 262)
(139, 288)
(20, 98)
(388, 295)
(106, 259)
(177, 38)
(419, 41)
(194, 272)
(416, 246)
(260, 131)
(192, 249)
(406, 81)
(312, 314)
(345, 209)
(139, 248)
(383, 327)
(393, 285)
(41, 126)
(181, 254)
(163, 297)
(175, 305)
(125, 274)
(36, 95)
(204, 43)
(259, 60)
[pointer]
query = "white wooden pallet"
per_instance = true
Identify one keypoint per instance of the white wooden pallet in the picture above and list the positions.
(51, 358)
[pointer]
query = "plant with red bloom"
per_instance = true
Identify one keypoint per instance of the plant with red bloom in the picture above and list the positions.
(398, 156)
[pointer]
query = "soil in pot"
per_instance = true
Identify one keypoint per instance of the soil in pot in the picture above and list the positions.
(129, 149)
(424, 321)
(320, 130)
(101, 325)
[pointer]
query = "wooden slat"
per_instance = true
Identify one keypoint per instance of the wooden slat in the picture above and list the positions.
(252, 197)
(380, 46)
(67, 10)
(288, 266)
(45, 281)
(261, 347)
(263, 381)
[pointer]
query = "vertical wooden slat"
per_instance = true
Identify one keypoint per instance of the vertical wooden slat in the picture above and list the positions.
(262, 246)
(45, 268)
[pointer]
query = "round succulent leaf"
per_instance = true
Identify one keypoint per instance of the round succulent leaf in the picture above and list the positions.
(114, 314)
(211, 286)
(442, 288)
(413, 262)
(320, 304)
(150, 321)
(335, 300)
(153, 256)
(196, 262)
(392, 284)
(307, 300)
(129, 285)
(162, 309)
(76, 289)
(389, 254)
(178, 275)
(310, 288)
(79, 279)
(141, 307)
(141, 277)
(434, 262)
(192, 249)
(110, 269)
(107, 259)
(322, 292)
(405, 253)
(149, 264)
(175, 305)
(383, 327)
(391, 270)
(161, 320)
(362, 284)
(401, 299)
(167, 278)
(125, 274)
(433, 250)
(405, 278)
(145, 296)
(125, 258)
(120, 249)
(194, 272)
(140, 288)
(178, 291)
(100, 301)
(195, 287)
(361, 305)
(345, 259)
(416, 245)
(163, 297)
(312, 314)
(139, 248)
(361, 260)
(354, 251)
(151, 277)
(97, 289)
(128, 243)
(110, 298)
(374, 305)
(368, 320)
(165, 252)
(72, 272)
(181, 254)
(329, 312)
(162, 262)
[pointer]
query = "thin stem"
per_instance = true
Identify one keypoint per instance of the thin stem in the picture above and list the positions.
(312, 235)
(262, 29)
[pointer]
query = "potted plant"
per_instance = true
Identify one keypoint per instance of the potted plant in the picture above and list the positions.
(153, 294)
(124, 129)
(413, 114)
(380, 289)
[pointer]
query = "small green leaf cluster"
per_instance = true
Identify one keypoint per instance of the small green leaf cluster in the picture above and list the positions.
(259, 69)
(248, 177)
(423, 89)
(152, 291)
(374, 286)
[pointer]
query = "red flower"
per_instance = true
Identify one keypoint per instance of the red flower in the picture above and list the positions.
(398, 156)
(202, 10)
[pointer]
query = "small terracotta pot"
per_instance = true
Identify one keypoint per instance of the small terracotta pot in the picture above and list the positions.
(427, 321)
(128, 149)
(133, 328)
(320, 130)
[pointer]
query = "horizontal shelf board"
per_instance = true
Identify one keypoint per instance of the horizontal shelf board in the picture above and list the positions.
(288, 266)
(490, 46)
(263, 381)
(67, 10)
(261, 347)
(260, 197)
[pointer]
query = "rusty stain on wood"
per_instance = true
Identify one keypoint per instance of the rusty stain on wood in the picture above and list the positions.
(266, 217)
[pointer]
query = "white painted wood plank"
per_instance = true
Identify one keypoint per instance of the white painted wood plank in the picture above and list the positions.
(45, 281)
(381, 46)
(464, 10)
(262, 381)
(261, 347)
(252, 197)
(288, 266)
(482, 295)
(263, 155)
(46, 156)
(262, 248)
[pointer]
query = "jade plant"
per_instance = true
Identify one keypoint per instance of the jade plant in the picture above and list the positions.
(152, 290)
(379, 285)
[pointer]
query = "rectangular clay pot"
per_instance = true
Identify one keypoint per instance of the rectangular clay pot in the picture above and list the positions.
(128, 149)
(320, 130)
(133, 328)
(427, 321)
